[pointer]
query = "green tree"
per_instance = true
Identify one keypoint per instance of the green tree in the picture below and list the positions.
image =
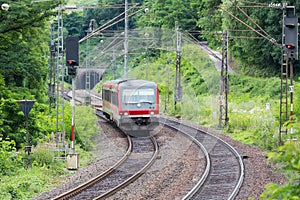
(210, 21)
(9, 159)
(288, 156)
(24, 38)
(164, 14)
(24, 44)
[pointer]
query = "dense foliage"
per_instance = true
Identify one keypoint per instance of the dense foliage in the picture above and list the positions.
(24, 37)
(252, 54)
(24, 68)
(288, 156)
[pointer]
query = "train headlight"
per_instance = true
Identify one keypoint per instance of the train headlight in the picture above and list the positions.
(151, 113)
(126, 113)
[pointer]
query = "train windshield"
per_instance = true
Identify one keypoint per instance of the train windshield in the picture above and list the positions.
(138, 98)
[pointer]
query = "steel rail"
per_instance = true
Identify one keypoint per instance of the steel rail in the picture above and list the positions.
(242, 168)
(136, 175)
(232, 149)
(87, 184)
(207, 167)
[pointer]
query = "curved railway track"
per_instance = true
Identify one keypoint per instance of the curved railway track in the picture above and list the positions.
(222, 177)
(224, 171)
(69, 194)
(140, 155)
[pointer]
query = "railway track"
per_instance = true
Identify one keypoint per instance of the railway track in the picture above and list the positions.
(141, 154)
(224, 171)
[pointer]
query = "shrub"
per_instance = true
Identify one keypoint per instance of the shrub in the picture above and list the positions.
(288, 156)
(10, 160)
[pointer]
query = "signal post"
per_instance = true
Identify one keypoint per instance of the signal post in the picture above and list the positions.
(72, 58)
(290, 54)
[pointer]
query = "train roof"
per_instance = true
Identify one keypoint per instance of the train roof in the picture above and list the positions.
(130, 82)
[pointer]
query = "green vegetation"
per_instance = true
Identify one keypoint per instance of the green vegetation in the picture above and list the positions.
(24, 38)
(288, 156)
(18, 182)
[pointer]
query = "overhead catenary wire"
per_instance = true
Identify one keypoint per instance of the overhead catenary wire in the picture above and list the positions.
(108, 48)
(268, 36)
(105, 26)
(271, 40)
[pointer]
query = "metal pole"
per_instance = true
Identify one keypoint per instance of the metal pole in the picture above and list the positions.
(51, 84)
(28, 148)
(178, 88)
(73, 116)
(27, 133)
(291, 90)
(59, 81)
(291, 96)
(224, 83)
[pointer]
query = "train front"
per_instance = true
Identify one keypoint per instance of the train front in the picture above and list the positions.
(138, 107)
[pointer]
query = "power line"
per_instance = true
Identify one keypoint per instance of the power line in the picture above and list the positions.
(254, 22)
(272, 40)
(103, 27)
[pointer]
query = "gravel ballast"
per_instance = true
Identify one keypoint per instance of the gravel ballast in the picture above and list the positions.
(176, 170)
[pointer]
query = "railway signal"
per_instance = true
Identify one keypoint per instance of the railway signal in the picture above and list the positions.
(72, 51)
(71, 63)
(72, 55)
(291, 33)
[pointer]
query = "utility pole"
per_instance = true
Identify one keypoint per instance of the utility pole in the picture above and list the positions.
(87, 65)
(224, 83)
(51, 84)
(59, 80)
(178, 88)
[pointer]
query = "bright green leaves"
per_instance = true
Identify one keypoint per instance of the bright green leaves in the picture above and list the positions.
(10, 161)
(288, 156)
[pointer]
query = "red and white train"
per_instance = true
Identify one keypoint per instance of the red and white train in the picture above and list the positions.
(132, 104)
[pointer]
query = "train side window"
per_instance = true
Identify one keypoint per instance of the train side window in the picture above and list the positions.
(114, 98)
(104, 94)
(107, 95)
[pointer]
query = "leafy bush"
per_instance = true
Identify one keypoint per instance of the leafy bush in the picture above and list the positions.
(42, 156)
(253, 125)
(297, 99)
(86, 127)
(288, 156)
(28, 183)
(10, 161)
(264, 88)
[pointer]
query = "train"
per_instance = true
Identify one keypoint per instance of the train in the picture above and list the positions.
(132, 104)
